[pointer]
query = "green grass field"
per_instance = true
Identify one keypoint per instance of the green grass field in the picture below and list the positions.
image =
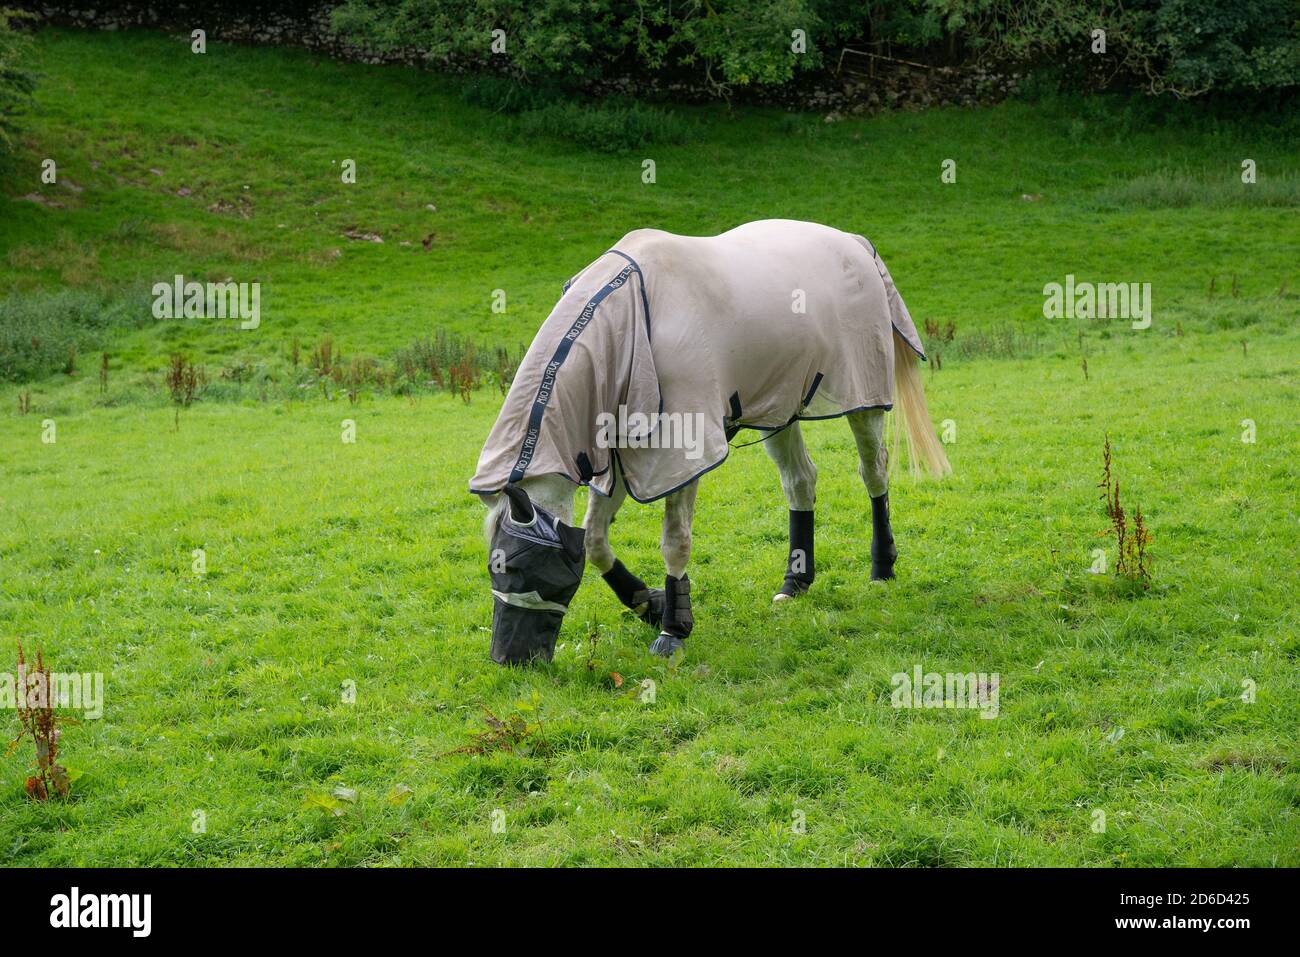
(330, 563)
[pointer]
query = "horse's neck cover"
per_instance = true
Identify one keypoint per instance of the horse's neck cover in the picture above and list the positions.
(666, 344)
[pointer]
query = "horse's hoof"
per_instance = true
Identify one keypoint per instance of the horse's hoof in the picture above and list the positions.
(665, 645)
(882, 574)
(791, 588)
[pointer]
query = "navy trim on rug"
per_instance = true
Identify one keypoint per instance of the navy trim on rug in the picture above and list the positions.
(770, 429)
(547, 386)
(645, 303)
(645, 300)
(875, 255)
(816, 384)
(900, 335)
(646, 501)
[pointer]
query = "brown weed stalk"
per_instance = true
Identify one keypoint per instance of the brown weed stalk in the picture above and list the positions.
(184, 382)
(324, 357)
(38, 721)
(936, 337)
(1130, 545)
(463, 377)
(505, 369)
(1141, 537)
(593, 642)
(358, 372)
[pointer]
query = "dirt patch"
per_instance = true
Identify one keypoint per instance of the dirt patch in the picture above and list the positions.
(45, 201)
(241, 207)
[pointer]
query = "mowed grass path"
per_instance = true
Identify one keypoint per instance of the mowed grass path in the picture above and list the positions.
(329, 563)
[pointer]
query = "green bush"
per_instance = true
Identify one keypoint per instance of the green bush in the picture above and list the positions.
(1198, 46)
(731, 42)
(43, 333)
(16, 81)
(1185, 47)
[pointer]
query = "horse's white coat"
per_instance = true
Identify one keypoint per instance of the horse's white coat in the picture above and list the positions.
(795, 466)
(873, 457)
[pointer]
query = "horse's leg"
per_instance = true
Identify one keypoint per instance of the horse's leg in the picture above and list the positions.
(679, 508)
(799, 483)
(873, 465)
(648, 603)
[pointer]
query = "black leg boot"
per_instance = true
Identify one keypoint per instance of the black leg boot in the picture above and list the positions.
(677, 621)
(648, 603)
(800, 570)
(883, 552)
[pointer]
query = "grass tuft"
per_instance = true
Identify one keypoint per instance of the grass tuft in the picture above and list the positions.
(1171, 189)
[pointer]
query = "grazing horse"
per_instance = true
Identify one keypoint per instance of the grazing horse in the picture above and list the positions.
(655, 356)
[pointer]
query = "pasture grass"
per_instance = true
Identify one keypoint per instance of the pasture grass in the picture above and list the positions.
(1169, 189)
(255, 139)
(331, 565)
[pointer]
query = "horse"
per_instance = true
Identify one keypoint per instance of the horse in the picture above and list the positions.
(657, 354)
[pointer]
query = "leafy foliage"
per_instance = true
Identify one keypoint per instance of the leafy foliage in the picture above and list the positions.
(42, 333)
(1197, 46)
(520, 731)
(1185, 47)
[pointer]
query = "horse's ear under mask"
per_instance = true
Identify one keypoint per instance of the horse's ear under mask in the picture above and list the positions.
(536, 564)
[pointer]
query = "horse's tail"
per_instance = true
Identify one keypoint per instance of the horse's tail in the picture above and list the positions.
(923, 446)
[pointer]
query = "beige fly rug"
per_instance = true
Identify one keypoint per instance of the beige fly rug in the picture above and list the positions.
(665, 346)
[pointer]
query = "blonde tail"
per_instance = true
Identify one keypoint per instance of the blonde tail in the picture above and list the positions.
(909, 402)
